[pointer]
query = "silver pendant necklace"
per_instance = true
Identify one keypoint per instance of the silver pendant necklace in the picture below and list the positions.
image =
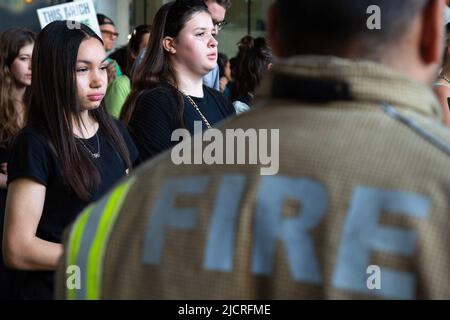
(94, 155)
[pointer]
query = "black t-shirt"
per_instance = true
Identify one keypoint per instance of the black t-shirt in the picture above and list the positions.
(157, 115)
(207, 106)
(3, 158)
(33, 157)
(4, 155)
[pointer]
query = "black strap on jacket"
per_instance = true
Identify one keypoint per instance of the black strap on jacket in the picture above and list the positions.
(302, 88)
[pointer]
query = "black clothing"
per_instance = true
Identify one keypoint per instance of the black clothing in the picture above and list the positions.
(157, 115)
(120, 56)
(5, 273)
(33, 157)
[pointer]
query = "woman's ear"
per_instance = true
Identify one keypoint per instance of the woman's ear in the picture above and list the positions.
(169, 45)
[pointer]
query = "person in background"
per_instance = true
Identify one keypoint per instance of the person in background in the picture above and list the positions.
(109, 37)
(120, 57)
(127, 54)
(218, 10)
(227, 90)
(69, 154)
(168, 91)
(224, 70)
(16, 48)
(254, 59)
(120, 88)
(139, 40)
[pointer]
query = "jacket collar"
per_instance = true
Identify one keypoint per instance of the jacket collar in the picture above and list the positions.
(327, 79)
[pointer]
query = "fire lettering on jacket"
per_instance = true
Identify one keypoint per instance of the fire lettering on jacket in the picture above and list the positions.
(361, 233)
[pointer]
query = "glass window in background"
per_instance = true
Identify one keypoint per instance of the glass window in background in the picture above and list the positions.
(244, 17)
(22, 13)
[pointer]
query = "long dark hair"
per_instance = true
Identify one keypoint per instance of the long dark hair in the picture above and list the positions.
(222, 61)
(156, 70)
(54, 103)
(253, 59)
(11, 41)
(135, 41)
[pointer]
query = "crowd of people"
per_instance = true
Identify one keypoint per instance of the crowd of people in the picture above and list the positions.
(363, 149)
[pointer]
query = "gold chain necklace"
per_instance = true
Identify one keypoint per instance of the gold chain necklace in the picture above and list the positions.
(198, 110)
(208, 125)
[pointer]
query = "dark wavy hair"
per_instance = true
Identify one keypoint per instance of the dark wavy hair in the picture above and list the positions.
(126, 54)
(156, 70)
(222, 61)
(135, 41)
(253, 60)
(54, 103)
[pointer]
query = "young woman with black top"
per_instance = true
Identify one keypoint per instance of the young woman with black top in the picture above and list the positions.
(16, 48)
(168, 92)
(70, 153)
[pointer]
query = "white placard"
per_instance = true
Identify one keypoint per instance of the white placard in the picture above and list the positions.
(82, 11)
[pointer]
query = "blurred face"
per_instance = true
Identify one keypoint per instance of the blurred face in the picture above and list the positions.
(92, 78)
(228, 70)
(195, 48)
(109, 36)
(21, 66)
(142, 45)
(217, 13)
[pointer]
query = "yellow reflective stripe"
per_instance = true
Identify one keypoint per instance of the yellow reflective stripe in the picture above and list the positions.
(99, 243)
(75, 237)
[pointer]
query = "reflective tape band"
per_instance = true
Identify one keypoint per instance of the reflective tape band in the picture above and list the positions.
(89, 232)
(425, 134)
(74, 244)
(88, 240)
(99, 243)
